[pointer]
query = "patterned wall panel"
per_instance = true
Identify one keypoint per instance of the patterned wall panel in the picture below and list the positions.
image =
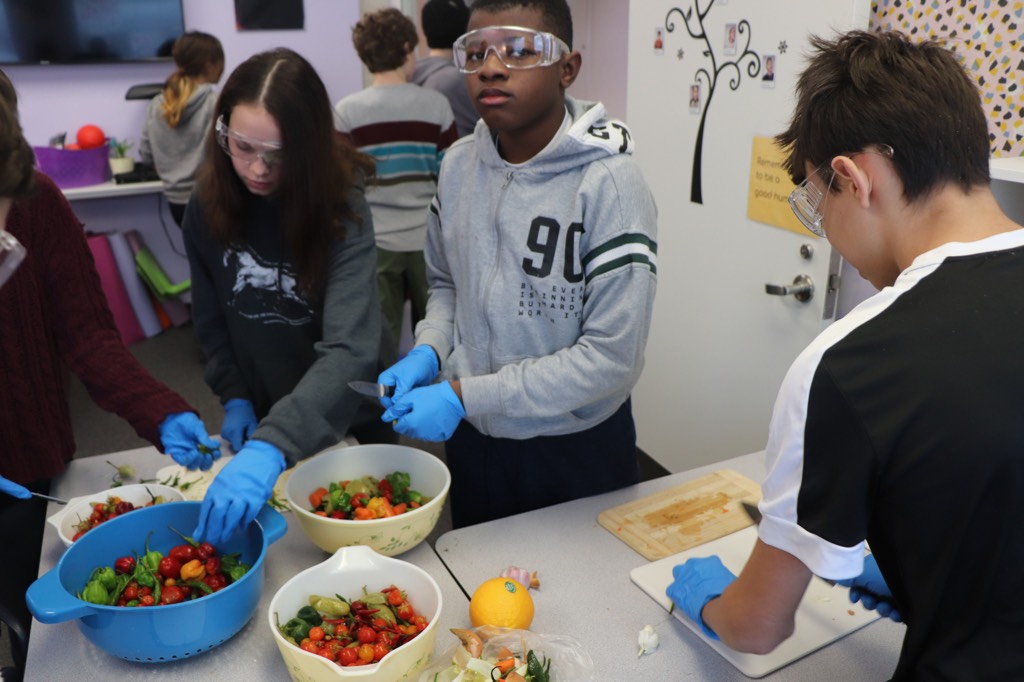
(988, 36)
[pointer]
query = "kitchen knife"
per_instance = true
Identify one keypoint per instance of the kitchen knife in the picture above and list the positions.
(370, 389)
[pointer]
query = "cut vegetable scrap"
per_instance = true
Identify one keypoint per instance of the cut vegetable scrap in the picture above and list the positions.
(647, 640)
(521, 576)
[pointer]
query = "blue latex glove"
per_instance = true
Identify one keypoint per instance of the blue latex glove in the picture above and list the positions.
(184, 438)
(418, 368)
(697, 582)
(238, 492)
(239, 423)
(13, 489)
(870, 589)
(428, 413)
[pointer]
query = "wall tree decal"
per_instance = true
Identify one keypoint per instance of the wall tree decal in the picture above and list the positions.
(709, 76)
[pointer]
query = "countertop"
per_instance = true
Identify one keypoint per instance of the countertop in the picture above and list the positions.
(60, 652)
(586, 592)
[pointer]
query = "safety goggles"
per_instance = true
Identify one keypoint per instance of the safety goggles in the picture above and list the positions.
(808, 201)
(11, 255)
(514, 46)
(244, 148)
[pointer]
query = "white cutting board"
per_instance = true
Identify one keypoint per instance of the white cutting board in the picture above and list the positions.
(824, 615)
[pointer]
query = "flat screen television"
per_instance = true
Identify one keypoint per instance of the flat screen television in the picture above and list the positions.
(88, 31)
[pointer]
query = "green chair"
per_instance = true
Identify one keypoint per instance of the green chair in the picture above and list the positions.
(155, 277)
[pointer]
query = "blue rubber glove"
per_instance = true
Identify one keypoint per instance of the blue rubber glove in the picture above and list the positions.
(238, 492)
(239, 423)
(697, 582)
(870, 589)
(185, 439)
(428, 413)
(418, 368)
(13, 489)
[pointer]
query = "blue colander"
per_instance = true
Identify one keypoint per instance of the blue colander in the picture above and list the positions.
(162, 633)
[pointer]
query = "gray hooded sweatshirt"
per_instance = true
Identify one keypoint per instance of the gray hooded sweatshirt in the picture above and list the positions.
(177, 152)
(542, 277)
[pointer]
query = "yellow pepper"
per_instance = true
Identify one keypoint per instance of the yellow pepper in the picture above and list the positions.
(193, 570)
(380, 507)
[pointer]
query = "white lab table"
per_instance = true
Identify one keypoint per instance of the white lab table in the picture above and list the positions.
(61, 652)
(586, 592)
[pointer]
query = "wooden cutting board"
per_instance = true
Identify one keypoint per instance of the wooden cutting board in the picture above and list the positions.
(684, 516)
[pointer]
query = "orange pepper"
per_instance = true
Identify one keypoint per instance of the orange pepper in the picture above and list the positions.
(316, 497)
(363, 514)
(193, 570)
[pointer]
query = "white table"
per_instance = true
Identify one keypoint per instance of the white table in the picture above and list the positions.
(586, 592)
(60, 652)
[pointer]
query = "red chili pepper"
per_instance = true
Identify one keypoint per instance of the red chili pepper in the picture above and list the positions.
(183, 553)
(124, 565)
(213, 565)
(216, 582)
(170, 567)
(205, 551)
(172, 594)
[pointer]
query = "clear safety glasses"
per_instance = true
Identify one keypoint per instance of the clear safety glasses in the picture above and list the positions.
(11, 255)
(246, 149)
(515, 47)
(808, 201)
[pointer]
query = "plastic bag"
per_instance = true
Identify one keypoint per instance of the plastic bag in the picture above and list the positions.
(569, 660)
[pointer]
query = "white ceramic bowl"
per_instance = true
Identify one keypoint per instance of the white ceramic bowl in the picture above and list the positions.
(347, 573)
(388, 536)
(79, 508)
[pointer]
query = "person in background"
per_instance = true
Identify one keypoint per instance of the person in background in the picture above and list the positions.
(179, 118)
(541, 261)
(406, 129)
(284, 296)
(53, 315)
(443, 21)
(900, 425)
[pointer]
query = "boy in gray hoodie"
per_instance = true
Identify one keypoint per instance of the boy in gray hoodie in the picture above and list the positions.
(541, 261)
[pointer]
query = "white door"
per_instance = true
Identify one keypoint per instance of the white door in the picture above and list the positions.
(720, 345)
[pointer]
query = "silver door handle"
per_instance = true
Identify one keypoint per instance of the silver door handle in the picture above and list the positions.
(802, 289)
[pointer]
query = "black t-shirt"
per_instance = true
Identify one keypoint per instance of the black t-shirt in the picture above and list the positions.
(903, 425)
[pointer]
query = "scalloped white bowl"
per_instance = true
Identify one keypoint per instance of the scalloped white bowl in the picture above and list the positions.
(79, 508)
(389, 536)
(347, 572)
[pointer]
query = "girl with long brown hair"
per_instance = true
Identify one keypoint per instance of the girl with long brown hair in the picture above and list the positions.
(284, 296)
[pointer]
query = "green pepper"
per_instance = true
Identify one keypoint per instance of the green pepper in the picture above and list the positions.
(95, 593)
(199, 585)
(335, 608)
(298, 627)
(535, 671)
(106, 576)
(151, 560)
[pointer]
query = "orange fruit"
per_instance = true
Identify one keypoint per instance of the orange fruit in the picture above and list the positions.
(501, 602)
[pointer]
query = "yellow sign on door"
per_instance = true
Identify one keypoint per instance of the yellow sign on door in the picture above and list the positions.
(768, 198)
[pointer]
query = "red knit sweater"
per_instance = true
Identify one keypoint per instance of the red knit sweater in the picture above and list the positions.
(52, 310)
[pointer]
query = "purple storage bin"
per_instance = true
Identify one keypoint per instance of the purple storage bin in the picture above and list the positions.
(73, 167)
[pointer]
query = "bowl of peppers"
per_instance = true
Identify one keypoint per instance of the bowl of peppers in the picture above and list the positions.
(82, 514)
(358, 615)
(113, 582)
(388, 497)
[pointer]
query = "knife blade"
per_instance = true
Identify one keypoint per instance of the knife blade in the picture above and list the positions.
(370, 389)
